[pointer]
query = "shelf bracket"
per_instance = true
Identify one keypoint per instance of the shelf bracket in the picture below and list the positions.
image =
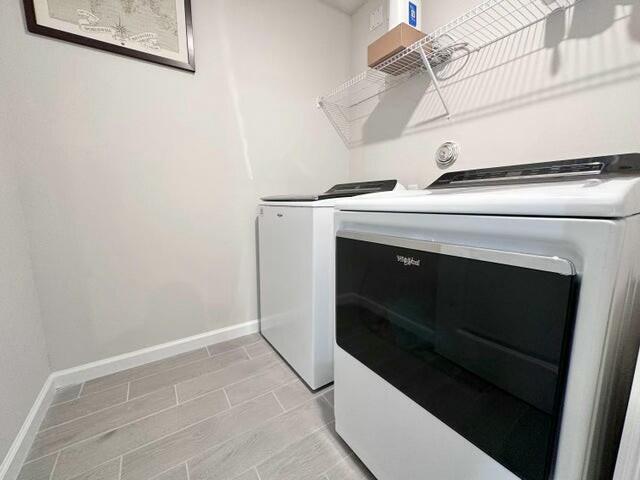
(436, 83)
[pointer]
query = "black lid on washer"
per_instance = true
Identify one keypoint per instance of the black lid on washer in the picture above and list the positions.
(338, 191)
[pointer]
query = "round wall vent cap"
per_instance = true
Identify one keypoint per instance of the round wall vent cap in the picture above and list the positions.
(447, 154)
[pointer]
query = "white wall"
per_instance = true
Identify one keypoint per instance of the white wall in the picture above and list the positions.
(558, 90)
(140, 182)
(24, 365)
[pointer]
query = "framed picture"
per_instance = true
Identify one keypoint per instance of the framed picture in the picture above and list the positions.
(158, 31)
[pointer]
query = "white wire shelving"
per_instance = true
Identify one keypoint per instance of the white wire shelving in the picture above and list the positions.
(484, 25)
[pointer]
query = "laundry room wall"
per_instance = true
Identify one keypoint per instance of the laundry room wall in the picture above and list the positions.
(140, 182)
(564, 88)
(24, 365)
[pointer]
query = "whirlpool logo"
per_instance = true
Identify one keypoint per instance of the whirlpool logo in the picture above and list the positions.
(408, 261)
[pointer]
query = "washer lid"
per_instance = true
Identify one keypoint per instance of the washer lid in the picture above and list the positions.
(339, 191)
(291, 198)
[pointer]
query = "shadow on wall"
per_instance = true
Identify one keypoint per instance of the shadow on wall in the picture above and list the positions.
(533, 65)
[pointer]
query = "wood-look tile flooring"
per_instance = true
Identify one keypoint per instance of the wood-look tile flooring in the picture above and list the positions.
(231, 411)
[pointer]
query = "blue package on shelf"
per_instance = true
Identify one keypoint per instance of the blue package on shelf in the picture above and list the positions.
(413, 14)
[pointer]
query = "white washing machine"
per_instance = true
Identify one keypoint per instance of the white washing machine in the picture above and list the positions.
(488, 328)
(296, 258)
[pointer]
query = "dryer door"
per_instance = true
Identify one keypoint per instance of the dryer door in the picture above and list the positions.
(479, 338)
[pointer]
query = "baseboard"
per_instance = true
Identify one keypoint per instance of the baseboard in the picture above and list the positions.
(14, 459)
(89, 371)
(10, 466)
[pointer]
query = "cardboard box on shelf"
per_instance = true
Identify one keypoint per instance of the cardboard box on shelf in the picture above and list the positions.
(393, 42)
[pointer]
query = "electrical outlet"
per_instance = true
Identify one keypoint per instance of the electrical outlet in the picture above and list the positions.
(375, 19)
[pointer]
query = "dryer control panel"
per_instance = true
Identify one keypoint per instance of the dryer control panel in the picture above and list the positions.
(627, 164)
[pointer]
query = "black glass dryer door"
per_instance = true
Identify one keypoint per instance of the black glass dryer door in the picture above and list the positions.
(479, 338)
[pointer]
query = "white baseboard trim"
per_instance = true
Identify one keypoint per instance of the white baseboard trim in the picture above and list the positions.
(89, 371)
(10, 466)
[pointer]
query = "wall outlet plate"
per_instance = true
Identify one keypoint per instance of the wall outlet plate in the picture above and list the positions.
(376, 18)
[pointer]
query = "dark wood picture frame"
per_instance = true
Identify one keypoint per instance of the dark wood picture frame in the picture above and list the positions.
(190, 65)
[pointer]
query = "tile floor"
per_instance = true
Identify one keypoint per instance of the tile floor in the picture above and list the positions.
(231, 411)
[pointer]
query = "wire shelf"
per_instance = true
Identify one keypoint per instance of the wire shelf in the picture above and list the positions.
(484, 25)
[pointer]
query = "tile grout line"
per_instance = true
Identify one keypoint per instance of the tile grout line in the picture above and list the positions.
(325, 399)
(272, 391)
(255, 469)
(99, 411)
(251, 377)
(260, 425)
(66, 447)
(57, 425)
(246, 359)
(165, 409)
(236, 348)
(85, 396)
(264, 372)
(194, 424)
(205, 348)
(57, 389)
(230, 384)
(136, 379)
(120, 471)
(184, 428)
(270, 349)
(187, 427)
(230, 438)
(93, 437)
(186, 466)
(276, 360)
(95, 467)
(165, 471)
(340, 461)
(55, 464)
(265, 354)
(175, 393)
(313, 432)
(314, 395)
(292, 381)
(226, 395)
(128, 391)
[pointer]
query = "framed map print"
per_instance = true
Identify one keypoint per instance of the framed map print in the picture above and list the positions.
(154, 30)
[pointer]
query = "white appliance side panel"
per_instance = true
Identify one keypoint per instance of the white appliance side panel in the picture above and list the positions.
(323, 296)
(395, 437)
(596, 248)
(286, 273)
(627, 306)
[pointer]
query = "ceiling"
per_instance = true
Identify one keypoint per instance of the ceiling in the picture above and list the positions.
(347, 6)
